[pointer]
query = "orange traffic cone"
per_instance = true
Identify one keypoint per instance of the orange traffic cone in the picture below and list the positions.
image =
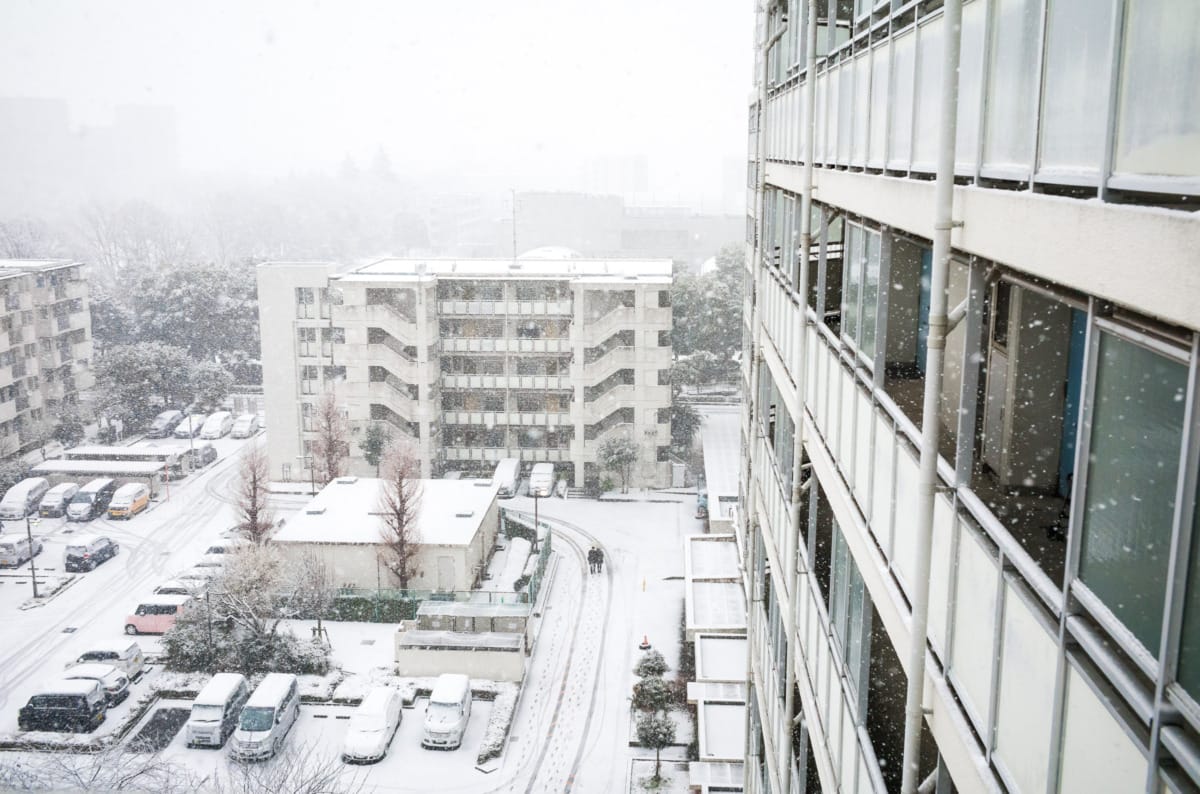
(645, 645)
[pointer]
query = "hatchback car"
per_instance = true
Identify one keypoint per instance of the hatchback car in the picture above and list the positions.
(54, 503)
(115, 683)
(16, 551)
(190, 426)
(164, 424)
(85, 552)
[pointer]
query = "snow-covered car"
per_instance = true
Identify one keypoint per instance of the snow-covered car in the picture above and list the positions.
(200, 576)
(176, 587)
(227, 546)
(16, 551)
(123, 654)
(190, 426)
(244, 426)
(372, 726)
(202, 455)
(114, 681)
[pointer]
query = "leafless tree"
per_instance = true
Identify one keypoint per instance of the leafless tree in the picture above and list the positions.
(400, 505)
(254, 516)
(331, 444)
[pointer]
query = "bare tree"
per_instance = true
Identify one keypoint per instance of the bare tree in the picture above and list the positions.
(331, 445)
(254, 516)
(399, 505)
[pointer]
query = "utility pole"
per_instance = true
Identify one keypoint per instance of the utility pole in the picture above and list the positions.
(32, 569)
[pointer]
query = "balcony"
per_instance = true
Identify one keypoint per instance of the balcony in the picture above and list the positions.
(381, 315)
(518, 418)
(8, 410)
(544, 382)
(467, 344)
(494, 454)
(559, 308)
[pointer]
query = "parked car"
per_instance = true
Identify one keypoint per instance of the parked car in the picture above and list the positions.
(202, 455)
(508, 477)
(85, 552)
(92, 499)
(244, 426)
(23, 498)
(177, 587)
(216, 710)
(129, 500)
(156, 615)
(372, 726)
(115, 682)
(227, 546)
(448, 711)
(164, 424)
(16, 550)
(54, 503)
(190, 426)
(217, 426)
(541, 480)
(72, 706)
(266, 718)
(123, 654)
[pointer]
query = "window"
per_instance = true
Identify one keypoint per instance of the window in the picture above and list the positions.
(307, 338)
(663, 416)
(664, 298)
(306, 419)
(861, 279)
(335, 373)
(1012, 84)
(1133, 463)
(1189, 652)
(308, 380)
(664, 377)
(304, 303)
(664, 338)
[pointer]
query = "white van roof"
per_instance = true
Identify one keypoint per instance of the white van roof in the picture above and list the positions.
(129, 489)
(119, 646)
(450, 688)
(19, 490)
(376, 700)
(70, 686)
(61, 488)
(219, 689)
(272, 689)
(95, 485)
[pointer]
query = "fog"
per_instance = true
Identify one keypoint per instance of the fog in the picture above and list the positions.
(639, 98)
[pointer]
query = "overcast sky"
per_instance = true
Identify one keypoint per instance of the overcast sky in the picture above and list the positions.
(509, 87)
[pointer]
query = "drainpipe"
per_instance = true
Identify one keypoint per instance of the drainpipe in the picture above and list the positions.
(799, 366)
(931, 410)
(752, 528)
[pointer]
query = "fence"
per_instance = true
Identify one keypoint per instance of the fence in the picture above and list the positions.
(516, 524)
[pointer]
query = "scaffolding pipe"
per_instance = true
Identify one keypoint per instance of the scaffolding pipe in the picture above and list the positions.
(769, 41)
(798, 370)
(931, 409)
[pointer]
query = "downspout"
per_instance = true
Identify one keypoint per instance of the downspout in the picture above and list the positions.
(799, 366)
(931, 409)
(769, 41)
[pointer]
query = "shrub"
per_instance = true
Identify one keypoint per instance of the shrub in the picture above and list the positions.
(652, 664)
(652, 694)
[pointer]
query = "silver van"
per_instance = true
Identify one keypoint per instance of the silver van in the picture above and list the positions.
(23, 498)
(266, 718)
(16, 551)
(448, 712)
(216, 710)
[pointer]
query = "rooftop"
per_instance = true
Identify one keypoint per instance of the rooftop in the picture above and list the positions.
(9, 267)
(132, 468)
(348, 511)
(567, 268)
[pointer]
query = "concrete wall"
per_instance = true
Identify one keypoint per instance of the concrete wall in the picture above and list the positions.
(494, 665)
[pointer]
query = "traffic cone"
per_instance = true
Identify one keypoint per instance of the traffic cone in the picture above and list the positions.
(645, 645)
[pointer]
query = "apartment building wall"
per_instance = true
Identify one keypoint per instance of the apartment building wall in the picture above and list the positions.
(474, 360)
(45, 346)
(1063, 633)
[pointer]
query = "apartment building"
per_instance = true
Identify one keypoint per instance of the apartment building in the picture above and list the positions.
(969, 497)
(45, 346)
(473, 360)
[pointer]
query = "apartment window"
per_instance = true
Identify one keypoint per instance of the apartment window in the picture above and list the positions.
(663, 416)
(306, 420)
(850, 615)
(323, 304)
(1012, 82)
(664, 338)
(664, 377)
(307, 341)
(330, 337)
(861, 281)
(1133, 463)
(337, 373)
(308, 380)
(304, 303)
(664, 298)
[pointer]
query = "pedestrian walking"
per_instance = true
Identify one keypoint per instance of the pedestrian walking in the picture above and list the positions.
(599, 561)
(591, 557)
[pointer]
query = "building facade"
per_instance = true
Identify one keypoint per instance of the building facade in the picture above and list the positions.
(972, 364)
(473, 360)
(45, 347)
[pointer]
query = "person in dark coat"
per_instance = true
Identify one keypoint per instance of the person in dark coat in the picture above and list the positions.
(591, 557)
(599, 561)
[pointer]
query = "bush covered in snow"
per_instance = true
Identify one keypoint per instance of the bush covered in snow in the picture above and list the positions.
(504, 707)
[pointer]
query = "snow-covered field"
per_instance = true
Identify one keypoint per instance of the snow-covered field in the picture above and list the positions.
(571, 725)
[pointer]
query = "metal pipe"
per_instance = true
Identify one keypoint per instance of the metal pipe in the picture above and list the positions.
(798, 366)
(931, 410)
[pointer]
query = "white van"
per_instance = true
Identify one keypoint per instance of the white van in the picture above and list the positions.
(372, 726)
(508, 477)
(216, 710)
(217, 425)
(448, 711)
(541, 480)
(23, 498)
(54, 503)
(266, 718)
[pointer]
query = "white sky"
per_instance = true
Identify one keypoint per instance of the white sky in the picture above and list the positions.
(508, 86)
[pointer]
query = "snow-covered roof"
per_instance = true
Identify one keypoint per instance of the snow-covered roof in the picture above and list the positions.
(721, 437)
(119, 453)
(348, 510)
(217, 691)
(134, 468)
(551, 252)
(472, 610)
(461, 640)
(271, 690)
(68, 686)
(15, 266)
(720, 657)
(717, 606)
(712, 558)
(571, 269)
(722, 731)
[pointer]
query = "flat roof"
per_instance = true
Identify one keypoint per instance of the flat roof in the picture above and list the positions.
(713, 557)
(68, 686)
(717, 606)
(721, 438)
(471, 609)
(348, 510)
(34, 265)
(628, 270)
(720, 657)
(462, 640)
(116, 452)
(137, 468)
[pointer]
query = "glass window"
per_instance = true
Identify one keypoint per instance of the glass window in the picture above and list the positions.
(1189, 644)
(970, 88)
(1137, 430)
(862, 107)
(854, 252)
(1159, 125)
(1012, 82)
(1078, 63)
(929, 83)
(880, 73)
(870, 294)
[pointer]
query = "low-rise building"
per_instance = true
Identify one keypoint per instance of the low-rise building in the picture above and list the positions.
(344, 527)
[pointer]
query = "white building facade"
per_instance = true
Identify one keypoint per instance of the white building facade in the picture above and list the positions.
(1024, 318)
(473, 360)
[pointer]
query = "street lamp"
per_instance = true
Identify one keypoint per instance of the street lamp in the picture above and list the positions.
(312, 472)
(32, 569)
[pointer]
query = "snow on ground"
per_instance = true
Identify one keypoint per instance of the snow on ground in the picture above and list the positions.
(507, 564)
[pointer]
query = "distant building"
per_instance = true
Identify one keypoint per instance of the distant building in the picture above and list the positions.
(475, 360)
(45, 346)
(344, 527)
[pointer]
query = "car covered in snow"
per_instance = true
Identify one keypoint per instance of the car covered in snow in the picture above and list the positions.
(244, 426)
(124, 654)
(114, 681)
(76, 705)
(372, 726)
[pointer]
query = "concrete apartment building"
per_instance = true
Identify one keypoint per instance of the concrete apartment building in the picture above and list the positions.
(45, 345)
(968, 509)
(474, 360)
